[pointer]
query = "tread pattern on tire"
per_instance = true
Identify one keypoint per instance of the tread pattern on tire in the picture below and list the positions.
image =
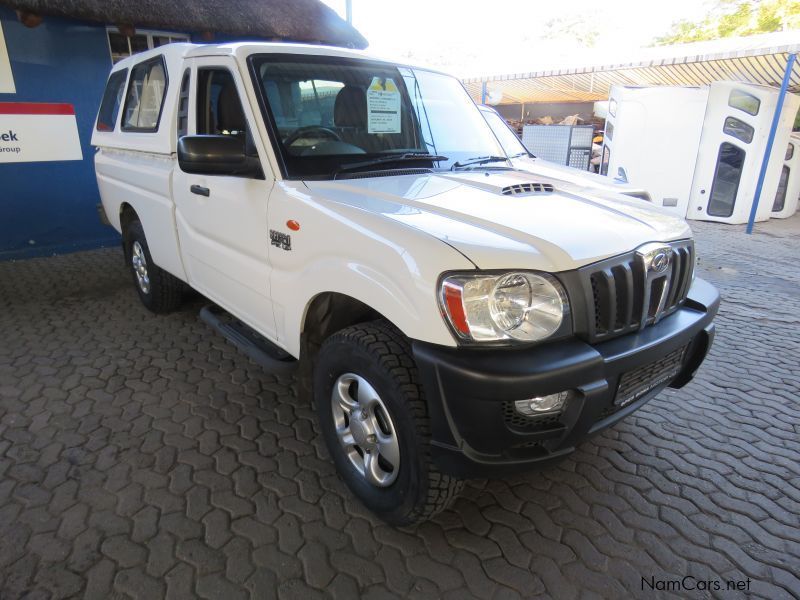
(393, 351)
(166, 290)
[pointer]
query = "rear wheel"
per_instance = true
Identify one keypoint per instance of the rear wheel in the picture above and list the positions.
(375, 422)
(159, 291)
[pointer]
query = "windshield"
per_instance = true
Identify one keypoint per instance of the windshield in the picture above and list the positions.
(329, 113)
(511, 144)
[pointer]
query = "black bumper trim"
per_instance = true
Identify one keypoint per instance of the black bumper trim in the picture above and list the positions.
(466, 388)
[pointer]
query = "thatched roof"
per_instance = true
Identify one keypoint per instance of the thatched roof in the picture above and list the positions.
(291, 20)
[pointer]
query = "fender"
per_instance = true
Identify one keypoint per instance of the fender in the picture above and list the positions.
(144, 181)
(359, 254)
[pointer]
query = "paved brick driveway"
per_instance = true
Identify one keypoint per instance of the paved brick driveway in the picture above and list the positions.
(142, 456)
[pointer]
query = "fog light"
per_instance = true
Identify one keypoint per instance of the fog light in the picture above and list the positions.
(542, 404)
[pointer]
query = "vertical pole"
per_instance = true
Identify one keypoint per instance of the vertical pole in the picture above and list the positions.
(787, 75)
(349, 11)
(483, 92)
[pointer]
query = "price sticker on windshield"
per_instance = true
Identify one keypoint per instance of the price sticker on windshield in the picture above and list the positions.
(383, 106)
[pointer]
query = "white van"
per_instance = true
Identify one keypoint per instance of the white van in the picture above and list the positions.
(357, 221)
(524, 160)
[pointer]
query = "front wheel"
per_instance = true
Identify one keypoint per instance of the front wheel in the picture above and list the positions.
(375, 422)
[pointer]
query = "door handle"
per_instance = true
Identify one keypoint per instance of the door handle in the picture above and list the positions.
(200, 190)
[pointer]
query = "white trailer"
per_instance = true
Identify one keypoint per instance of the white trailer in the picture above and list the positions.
(788, 194)
(699, 150)
(650, 134)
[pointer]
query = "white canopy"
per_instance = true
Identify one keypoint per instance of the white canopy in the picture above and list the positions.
(757, 59)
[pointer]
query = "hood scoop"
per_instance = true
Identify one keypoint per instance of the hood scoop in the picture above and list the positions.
(524, 189)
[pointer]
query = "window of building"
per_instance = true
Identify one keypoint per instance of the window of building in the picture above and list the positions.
(122, 46)
(145, 96)
(727, 175)
(112, 99)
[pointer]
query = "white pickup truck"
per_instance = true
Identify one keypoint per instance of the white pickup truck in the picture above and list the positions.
(358, 221)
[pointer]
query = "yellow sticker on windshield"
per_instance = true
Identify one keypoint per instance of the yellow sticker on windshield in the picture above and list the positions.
(383, 106)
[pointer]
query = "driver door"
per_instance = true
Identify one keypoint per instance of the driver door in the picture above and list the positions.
(222, 219)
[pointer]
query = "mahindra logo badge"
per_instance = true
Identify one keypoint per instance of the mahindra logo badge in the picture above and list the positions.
(656, 257)
(659, 262)
(655, 260)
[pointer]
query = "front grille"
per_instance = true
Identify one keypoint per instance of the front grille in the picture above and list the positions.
(621, 297)
(636, 383)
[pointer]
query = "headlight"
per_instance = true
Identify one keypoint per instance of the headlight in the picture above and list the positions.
(518, 306)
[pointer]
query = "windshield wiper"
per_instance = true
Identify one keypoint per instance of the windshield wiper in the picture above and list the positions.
(478, 160)
(405, 157)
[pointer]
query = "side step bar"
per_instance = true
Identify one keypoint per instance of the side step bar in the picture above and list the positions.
(248, 341)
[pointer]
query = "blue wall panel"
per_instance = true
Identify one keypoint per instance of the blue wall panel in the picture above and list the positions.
(50, 207)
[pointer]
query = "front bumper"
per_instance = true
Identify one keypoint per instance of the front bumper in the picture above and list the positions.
(468, 390)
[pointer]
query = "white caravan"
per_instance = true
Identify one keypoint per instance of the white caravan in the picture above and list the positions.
(699, 150)
(357, 222)
(788, 194)
(524, 160)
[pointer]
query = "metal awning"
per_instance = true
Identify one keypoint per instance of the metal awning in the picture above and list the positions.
(759, 59)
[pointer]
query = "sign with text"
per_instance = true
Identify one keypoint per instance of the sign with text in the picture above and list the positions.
(6, 76)
(38, 132)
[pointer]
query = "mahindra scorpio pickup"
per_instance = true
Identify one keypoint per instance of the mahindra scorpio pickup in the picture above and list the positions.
(357, 222)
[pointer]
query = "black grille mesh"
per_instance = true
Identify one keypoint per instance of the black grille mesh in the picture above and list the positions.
(537, 423)
(639, 380)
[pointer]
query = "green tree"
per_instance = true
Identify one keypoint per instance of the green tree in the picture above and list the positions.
(730, 18)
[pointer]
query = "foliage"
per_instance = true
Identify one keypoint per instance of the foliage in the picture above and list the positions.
(729, 18)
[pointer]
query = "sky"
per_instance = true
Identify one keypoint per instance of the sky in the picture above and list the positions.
(471, 38)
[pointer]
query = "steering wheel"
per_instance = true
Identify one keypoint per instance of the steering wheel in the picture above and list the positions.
(306, 132)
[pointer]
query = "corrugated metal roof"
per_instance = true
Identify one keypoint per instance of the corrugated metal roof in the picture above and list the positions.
(759, 59)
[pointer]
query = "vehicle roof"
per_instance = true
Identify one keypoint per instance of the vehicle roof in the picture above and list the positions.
(244, 49)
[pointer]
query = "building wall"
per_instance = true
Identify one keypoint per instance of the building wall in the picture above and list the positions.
(50, 207)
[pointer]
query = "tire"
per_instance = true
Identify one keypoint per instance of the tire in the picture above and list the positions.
(159, 291)
(413, 490)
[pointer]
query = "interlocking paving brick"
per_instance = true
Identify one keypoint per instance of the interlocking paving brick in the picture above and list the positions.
(142, 456)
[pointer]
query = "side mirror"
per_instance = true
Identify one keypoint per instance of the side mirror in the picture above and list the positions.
(622, 176)
(217, 155)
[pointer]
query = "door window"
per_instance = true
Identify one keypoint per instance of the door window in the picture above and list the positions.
(725, 185)
(605, 160)
(219, 109)
(145, 97)
(738, 129)
(112, 99)
(789, 152)
(744, 101)
(780, 197)
(183, 105)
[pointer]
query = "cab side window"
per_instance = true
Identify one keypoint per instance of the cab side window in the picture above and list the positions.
(219, 108)
(145, 98)
(112, 99)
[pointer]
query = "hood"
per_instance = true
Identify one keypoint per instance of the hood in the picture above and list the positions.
(583, 179)
(498, 226)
